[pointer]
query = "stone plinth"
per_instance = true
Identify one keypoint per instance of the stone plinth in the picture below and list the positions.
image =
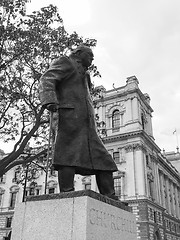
(81, 215)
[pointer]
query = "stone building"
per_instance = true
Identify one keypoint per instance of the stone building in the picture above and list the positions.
(146, 179)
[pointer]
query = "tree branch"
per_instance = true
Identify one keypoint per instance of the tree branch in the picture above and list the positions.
(19, 162)
(16, 153)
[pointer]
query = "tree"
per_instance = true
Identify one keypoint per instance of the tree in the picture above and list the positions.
(27, 46)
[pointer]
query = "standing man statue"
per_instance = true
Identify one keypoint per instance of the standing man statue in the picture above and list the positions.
(65, 87)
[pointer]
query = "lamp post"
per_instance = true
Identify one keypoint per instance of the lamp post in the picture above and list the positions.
(25, 183)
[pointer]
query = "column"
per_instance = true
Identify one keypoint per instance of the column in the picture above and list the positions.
(93, 183)
(100, 113)
(131, 181)
(139, 169)
(122, 186)
(149, 124)
(128, 113)
(177, 203)
(168, 195)
(162, 197)
(135, 108)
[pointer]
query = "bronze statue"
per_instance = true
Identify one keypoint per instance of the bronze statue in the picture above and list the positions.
(65, 87)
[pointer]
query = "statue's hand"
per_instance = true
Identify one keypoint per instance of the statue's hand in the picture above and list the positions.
(52, 107)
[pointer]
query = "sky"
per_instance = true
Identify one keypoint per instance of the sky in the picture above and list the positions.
(134, 37)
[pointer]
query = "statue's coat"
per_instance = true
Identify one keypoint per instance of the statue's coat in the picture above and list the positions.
(67, 83)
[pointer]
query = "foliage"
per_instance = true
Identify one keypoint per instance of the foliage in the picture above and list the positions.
(29, 172)
(28, 43)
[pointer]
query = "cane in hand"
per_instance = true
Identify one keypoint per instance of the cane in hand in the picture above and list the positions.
(48, 150)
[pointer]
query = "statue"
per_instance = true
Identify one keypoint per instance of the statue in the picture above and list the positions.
(65, 88)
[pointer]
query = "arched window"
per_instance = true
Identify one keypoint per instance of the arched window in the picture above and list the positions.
(116, 120)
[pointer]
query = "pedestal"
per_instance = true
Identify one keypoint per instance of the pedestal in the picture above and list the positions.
(81, 215)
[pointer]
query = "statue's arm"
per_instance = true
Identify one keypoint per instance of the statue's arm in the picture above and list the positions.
(58, 70)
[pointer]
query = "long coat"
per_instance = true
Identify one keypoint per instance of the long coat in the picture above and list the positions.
(67, 83)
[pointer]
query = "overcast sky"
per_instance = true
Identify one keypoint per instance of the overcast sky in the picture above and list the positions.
(134, 37)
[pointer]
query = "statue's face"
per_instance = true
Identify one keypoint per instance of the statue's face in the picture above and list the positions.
(86, 57)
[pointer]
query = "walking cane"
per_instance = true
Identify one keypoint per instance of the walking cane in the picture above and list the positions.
(48, 151)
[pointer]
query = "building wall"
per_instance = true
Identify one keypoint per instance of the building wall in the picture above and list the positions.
(150, 183)
(146, 179)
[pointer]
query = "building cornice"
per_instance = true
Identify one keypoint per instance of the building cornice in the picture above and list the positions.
(169, 167)
(132, 134)
(166, 215)
(124, 94)
(146, 201)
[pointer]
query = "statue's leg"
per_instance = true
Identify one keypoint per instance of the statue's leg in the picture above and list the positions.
(66, 179)
(105, 184)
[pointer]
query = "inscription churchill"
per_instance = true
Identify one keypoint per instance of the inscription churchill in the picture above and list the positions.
(111, 221)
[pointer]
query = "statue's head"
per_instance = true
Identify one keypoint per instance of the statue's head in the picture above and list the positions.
(85, 54)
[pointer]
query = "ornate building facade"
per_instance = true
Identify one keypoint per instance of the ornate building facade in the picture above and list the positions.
(146, 179)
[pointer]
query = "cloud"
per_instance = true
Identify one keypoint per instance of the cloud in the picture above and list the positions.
(74, 12)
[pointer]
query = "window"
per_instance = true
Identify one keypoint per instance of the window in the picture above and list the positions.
(157, 235)
(0, 199)
(26, 193)
(2, 179)
(8, 222)
(142, 121)
(16, 175)
(51, 190)
(8, 237)
(151, 214)
(155, 216)
(147, 160)
(51, 187)
(31, 191)
(1, 195)
(87, 182)
(52, 172)
(13, 199)
(117, 186)
(32, 188)
(116, 157)
(37, 191)
(116, 120)
(87, 186)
